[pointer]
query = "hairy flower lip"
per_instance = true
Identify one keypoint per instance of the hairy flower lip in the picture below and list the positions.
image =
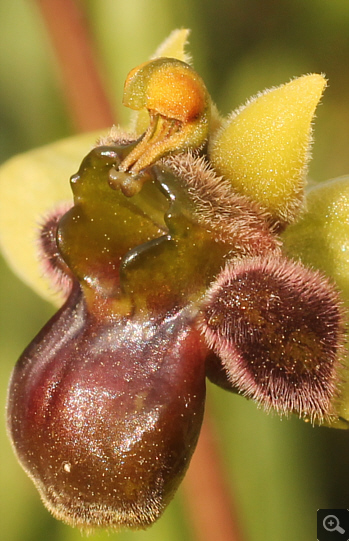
(75, 413)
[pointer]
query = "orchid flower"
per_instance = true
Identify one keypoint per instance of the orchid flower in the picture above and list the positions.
(190, 249)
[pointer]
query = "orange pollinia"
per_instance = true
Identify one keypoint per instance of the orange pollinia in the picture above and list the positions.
(179, 108)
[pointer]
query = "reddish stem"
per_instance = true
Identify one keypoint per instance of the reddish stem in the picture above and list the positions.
(89, 104)
(208, 497)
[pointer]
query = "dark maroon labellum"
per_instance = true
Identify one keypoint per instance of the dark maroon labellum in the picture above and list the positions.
(106, 403)
(105, 417)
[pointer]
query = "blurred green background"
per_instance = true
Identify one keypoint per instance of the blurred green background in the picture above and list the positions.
(280, 472)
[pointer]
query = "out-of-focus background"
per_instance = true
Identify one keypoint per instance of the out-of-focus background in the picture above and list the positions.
(279, 472)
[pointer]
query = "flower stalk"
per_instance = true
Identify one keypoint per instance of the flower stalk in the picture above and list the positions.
(89, 106)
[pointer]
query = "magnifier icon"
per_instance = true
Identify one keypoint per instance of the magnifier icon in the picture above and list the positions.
(331, 524)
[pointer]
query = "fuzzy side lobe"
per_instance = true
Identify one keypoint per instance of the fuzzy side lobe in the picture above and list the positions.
(278, 330)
